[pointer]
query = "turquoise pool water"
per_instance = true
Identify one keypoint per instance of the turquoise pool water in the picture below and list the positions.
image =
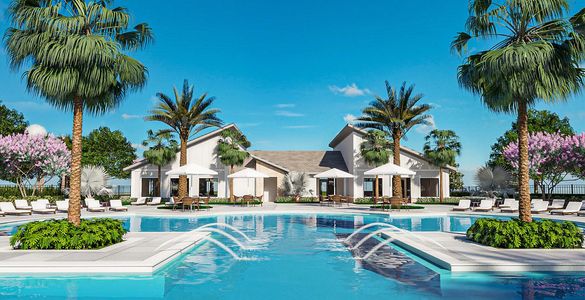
(297, 257)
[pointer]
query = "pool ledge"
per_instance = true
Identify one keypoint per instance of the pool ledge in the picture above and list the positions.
(140, 253)
(452, 251)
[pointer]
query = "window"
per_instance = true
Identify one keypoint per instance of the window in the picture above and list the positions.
(150, 187)
(175, 187)
(429, 187)
(208, 187)
(369, 187)
(326, 186)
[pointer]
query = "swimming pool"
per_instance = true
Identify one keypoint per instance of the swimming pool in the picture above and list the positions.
(298, 257)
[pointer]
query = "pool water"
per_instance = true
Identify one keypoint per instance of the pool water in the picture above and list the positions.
(298, 257)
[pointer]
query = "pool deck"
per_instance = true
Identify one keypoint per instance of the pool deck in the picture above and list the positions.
(140, 253)
(454, 252)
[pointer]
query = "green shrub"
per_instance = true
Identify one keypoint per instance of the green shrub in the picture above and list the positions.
(51, 199)
(292, 200)
(435, 200)
(515, 234)
(60, 234)
(8, 191)
(401, 207)
(460, 194)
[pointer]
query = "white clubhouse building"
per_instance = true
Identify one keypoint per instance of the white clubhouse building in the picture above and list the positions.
(344, 155)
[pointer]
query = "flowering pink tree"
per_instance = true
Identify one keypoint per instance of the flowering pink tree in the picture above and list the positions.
(552, 157)
(26, 157)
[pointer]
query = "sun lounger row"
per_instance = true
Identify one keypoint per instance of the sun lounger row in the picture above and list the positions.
(143, 201)
(42, 206)
(537, 206)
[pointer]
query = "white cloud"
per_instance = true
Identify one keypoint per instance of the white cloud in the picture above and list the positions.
(349, 118)
(245, 125)
(128, 116)
(285, 105)
(139, 146)
(425, 129)
(36, 129)
(28, 105)
(286, 113)
(349, 90)
(299, 126)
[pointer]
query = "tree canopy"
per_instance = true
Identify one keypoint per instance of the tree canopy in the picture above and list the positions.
(11, 121)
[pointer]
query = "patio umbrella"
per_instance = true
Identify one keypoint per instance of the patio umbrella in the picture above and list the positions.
(334, 173)
(249, 173)
(192, 170)
(390, 169)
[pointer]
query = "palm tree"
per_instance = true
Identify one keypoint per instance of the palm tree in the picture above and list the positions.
(185, 117)
(162, 150)
(395, 115)
(231, 150)
(441, 147)
(535, 56)
(375, 149)
(74, 53)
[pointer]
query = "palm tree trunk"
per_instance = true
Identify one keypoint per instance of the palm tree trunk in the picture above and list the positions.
(231, 180)
(183, 192)
(441, 184)
(523, 175)
(159, 182)
(74, 213)
(376, 192)
(396, 180)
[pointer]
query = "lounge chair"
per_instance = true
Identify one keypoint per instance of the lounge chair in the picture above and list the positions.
(557, 204)
(513, 207)
(485, 205)
(463, 205)
(539, 206)
(22, 204)
(8, 209)
(139, 201)
(40, 207)
(154, 201)
(573, 207)
(508, 202)
(94, 205)
(62, 205)
(116, 205)
(2, 214)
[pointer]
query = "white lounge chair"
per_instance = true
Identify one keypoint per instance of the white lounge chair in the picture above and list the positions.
(485, 205)
(45, 202)
(94, 205)
(8, 209)
(62, 205)
(463, 205)
(508, 202)
(41, 208)
(139, 201)
(22, 204)
(155, 201)
(557, 204)
(513, 207)
(116, 205)
(573, 207)
(539, 206)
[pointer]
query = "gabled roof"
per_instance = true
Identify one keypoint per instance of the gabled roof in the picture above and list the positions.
(349, 129)
(302, 161)
(140, 162)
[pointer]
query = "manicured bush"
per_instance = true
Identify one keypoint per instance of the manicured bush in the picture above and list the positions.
(51, 199)
(401, 207)
(515, 234)
(8, 191)
(60, 234)
(460, 194)
(434, 200)
(301, 200)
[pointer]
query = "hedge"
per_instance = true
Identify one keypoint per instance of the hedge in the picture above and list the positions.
(515, 234)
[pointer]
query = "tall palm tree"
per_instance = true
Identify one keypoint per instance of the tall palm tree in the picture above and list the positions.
(375, 149)
(535, 56)
(75, 55)
(162, 150)
(395, 115)
(231, 151)
(441, 147)
(186, 117)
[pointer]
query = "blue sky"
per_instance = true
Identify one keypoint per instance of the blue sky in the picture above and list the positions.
(290, 73)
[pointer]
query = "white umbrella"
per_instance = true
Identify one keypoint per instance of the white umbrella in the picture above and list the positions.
(249, 173)
(334, 173)
(390, 169)
(192, 170)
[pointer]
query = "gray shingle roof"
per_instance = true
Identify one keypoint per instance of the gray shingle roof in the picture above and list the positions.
(304, 161)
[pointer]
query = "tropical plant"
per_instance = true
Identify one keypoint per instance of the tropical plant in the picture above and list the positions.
(26, 157)
(94, 180)
(62, 235)
(492, 179)
(232, 152)
(442, 147)
(375, 149)
(456, 179)
(295, 185)
(75, 55)
(11, 121)
(395, 115)
(162, 149)
(185, 116)
(108, 149)
(535, 56)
